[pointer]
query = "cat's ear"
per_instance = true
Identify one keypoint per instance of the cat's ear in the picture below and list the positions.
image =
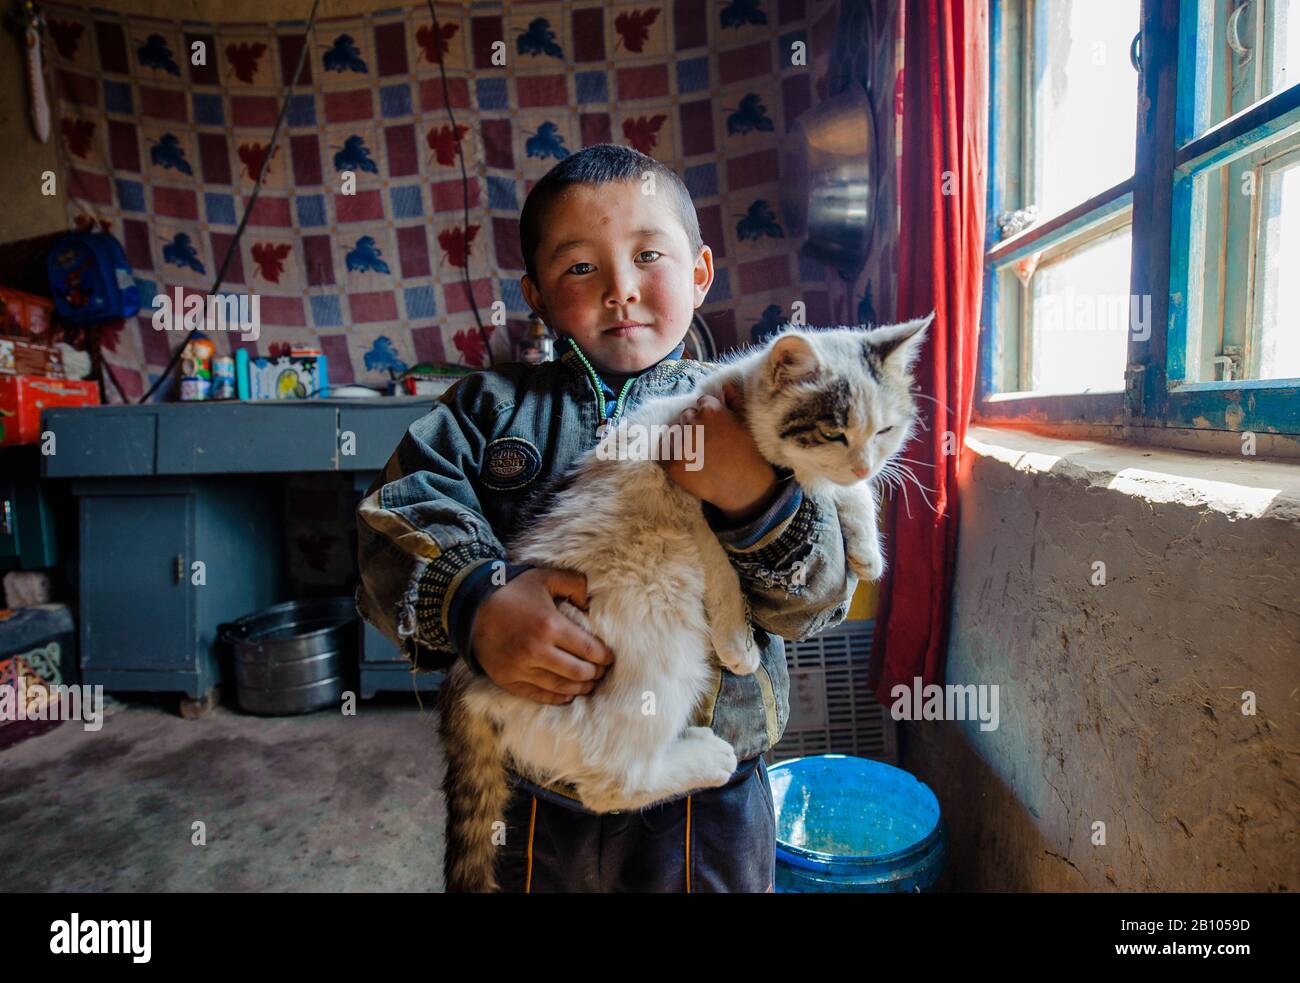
(792, 359)
(897, 345)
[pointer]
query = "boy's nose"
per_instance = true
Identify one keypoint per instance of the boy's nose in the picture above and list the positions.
(622, 291)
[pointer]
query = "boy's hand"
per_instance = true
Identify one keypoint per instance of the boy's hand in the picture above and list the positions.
(527, 647)
(735, 478)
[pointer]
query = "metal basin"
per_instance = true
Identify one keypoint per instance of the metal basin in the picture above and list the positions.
(294, 657)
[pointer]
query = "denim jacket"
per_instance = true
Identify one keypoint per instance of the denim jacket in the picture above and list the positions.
(437, 517)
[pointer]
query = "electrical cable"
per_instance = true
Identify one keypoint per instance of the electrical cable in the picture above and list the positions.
(464, 181)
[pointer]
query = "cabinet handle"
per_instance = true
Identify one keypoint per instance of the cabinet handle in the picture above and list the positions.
(178, 568)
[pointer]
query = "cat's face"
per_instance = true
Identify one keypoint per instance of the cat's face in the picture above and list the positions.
(838, 403)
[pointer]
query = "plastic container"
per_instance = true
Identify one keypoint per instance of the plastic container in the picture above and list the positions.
(223, 377)
(846, 824)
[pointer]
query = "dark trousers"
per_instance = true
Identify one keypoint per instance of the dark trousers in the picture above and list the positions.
(721, 839)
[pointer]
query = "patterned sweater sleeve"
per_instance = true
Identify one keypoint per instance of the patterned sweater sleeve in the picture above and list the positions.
(428, 557)
(790, 561)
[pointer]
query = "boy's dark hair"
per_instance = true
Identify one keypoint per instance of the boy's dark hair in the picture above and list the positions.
(602, 164)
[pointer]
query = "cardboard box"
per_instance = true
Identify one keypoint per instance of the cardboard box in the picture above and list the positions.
(18, 356)
(25, 314)
(22, 397)
(290, 376)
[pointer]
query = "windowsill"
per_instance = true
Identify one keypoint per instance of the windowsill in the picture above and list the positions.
(1239, 487)
(1224, 444)
(1011, 397)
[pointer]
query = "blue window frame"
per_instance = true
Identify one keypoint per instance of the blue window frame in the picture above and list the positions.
(1188, 254)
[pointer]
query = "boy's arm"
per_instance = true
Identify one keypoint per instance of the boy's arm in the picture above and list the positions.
(790, 560)
(427, 556)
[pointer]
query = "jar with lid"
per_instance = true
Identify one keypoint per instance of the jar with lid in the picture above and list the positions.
(537, 344)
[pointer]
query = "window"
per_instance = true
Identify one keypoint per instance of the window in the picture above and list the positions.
(1143, 253)
(1235, 327)
(1069, 99)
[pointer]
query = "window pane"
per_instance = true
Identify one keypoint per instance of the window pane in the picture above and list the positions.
(1255, 53)
(1085, 100)
(1243, 298)
(1079, 318)
(1277, 282)
(1283, 45)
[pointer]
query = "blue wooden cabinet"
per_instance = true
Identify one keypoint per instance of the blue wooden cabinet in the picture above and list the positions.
(162, 487)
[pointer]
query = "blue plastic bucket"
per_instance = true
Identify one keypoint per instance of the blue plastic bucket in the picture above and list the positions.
(853, 824)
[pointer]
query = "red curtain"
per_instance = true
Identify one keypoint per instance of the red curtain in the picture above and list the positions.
(941, 259)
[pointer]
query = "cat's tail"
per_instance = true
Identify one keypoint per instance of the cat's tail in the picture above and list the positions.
(474, 787)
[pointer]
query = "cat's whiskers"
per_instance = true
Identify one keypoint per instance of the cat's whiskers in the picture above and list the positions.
(896, 472)
(894, 480)
(912, 474)
(907, 473)
(937, 402)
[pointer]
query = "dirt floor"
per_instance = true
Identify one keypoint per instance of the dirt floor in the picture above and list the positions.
(322, 802)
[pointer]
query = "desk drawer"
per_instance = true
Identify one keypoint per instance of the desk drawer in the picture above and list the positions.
(247, 439)
(99, 441)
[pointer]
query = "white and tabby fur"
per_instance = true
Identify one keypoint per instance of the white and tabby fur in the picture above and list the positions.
(662, 593)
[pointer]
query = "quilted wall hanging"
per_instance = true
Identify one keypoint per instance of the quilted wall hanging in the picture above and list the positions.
(164, 153)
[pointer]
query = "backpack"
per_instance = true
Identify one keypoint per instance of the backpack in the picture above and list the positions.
(90, 279)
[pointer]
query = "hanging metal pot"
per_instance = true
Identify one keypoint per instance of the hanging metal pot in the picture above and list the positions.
(828, 181)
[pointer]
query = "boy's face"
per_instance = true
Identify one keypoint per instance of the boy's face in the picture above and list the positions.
(615, 273)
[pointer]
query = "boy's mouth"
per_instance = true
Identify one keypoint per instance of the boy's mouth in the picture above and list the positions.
(624, 328)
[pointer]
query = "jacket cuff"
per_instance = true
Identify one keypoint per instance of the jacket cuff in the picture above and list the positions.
(437, 586)
(775, 520)
(474, 588)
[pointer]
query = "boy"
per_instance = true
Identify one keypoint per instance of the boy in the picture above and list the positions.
(617, 272)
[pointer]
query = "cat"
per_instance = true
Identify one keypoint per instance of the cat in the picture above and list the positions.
(831, 405)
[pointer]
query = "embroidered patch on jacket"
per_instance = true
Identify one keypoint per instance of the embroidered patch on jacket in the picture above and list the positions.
(510, 463)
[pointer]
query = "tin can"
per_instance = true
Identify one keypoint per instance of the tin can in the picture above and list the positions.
(195, 388)
(537, 345)
(223, 377)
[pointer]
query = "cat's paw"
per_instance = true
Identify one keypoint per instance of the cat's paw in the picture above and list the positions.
(739, 653)
(715, 758)
(868, 564)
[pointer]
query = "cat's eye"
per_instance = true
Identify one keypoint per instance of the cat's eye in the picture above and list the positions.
(833, 436)
(884, 430)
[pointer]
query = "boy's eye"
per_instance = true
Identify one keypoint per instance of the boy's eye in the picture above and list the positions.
(833, 436)
(575, 266)
(654, 251)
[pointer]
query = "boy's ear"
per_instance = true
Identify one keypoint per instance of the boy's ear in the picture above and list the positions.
(533, 296)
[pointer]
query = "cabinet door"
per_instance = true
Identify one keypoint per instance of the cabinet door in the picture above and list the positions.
(137, 605)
